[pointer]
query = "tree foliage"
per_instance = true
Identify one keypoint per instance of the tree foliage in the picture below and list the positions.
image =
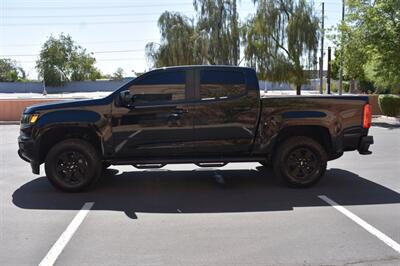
(61, 60)
(10, 71)
(214, 39)
(219, 20)
(371, 41)
(281, 39)
(180, 43)
(118, 74)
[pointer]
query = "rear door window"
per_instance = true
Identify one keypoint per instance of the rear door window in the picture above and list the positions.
(219, 84)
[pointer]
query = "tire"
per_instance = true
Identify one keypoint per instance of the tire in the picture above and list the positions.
(73, 165)
(300, 162)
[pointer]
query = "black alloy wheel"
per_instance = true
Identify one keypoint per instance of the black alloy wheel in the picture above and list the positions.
(73, 165)
(300, 161)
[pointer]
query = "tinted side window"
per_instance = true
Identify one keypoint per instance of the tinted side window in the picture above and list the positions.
(159, 87)
(221, 84)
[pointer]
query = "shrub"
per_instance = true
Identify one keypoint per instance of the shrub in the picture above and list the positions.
(389, 104)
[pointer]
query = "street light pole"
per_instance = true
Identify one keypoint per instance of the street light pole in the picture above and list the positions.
(321, 70)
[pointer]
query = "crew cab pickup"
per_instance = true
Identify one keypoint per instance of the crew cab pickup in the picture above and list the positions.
(206, 115)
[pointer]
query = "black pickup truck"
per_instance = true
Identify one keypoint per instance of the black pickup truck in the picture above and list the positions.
(206, 115)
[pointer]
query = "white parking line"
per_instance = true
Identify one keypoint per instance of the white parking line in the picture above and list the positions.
(62, 241)
(372, 230)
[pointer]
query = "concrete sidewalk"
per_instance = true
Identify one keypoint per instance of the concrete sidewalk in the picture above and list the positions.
(386, 121)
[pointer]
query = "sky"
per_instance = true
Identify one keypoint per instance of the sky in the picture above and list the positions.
(115, 31)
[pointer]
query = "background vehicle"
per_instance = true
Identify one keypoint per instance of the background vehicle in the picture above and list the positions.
(207, 115)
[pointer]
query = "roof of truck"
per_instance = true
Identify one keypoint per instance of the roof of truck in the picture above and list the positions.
(184, 67)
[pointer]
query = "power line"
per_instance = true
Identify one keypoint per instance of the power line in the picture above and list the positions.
(120, 59)
(84, 43)
(118, 51)
(94, 16)
(97, 60)
(95, 52)
(77, 23)
(97, 6)
(54, 2)
(18, 55)
(95, 1)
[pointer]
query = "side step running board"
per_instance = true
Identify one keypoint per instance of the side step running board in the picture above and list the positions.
(211, 164)
(202, 162)
(148, 166)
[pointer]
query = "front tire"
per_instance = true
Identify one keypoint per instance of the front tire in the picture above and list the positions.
(300, 161)
(73, 165)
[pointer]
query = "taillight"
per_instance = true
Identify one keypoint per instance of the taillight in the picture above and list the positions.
(367, 116)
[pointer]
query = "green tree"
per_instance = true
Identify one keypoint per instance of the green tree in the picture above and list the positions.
(214, 39)
(61, 60)
(281, 40)
(219, 20)
(371, 41)
(335, 64)
(10, 71)
(118, 74)
(180, 44)
(353, 54)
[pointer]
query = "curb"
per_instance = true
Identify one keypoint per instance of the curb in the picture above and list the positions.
(9, 122)
(396, 119)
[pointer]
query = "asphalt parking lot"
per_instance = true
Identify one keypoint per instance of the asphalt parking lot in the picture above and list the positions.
(186, 217)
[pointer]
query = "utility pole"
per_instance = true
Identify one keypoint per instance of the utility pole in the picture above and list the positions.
(328, 78)
(321, 69)
(341, 54)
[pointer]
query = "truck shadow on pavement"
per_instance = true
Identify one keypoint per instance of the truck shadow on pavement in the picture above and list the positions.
(160, 191)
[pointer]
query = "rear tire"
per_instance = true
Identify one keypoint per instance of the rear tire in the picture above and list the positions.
(73, 165)
(300, 161)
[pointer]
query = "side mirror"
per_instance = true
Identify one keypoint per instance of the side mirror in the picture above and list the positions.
(125, 98)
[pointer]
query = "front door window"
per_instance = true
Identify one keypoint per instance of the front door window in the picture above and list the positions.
(159, 88)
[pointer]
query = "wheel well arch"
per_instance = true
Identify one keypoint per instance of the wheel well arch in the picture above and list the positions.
(57, 134)
(319, 133)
